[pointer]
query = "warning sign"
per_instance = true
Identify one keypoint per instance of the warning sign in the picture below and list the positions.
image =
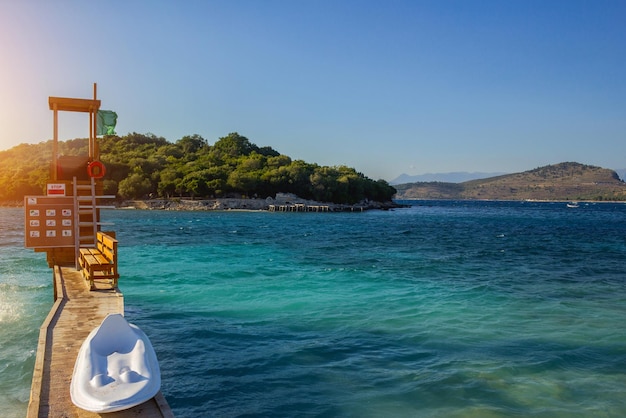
(55, 189)
(49, 221)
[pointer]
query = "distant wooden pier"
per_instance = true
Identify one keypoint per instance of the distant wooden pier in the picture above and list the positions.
(302, 207)
(75, 313)
(298, 207)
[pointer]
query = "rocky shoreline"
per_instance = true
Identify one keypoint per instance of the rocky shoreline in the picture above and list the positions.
(286, 204)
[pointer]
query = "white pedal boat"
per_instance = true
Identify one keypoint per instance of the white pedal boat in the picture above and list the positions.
(116, 368)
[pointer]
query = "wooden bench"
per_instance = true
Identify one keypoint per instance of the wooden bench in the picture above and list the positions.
(100, 263)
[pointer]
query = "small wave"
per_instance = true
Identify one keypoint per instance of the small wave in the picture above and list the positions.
(10, 313)
(11, 308)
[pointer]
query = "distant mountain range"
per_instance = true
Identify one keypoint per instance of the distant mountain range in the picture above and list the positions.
(454, 177)
(564, 181)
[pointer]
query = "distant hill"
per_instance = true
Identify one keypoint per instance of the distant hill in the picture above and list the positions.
(454, 177)
(621, 173)
(564, 181)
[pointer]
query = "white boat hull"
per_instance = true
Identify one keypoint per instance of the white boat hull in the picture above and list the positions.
(116, 368)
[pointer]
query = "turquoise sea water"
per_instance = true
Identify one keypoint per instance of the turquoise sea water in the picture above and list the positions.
(444, 309)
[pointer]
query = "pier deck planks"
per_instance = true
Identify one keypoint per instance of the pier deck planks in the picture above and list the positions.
(75, 313)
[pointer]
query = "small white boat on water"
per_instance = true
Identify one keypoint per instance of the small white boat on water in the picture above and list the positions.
(572, 205)
(116, 368)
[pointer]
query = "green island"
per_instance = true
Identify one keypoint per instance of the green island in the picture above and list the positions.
(150, 168)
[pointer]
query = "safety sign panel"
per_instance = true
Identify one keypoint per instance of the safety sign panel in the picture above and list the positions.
(48, 221)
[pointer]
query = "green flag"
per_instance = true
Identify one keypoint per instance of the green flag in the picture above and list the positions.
(106, 121)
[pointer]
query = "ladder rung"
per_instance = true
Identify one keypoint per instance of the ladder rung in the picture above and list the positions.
(85, 198)
(85, 224)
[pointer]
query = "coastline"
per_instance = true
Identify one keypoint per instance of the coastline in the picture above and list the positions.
(289, 204)
(243, 204)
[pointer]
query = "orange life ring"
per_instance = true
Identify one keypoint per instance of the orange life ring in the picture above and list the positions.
(96, 169)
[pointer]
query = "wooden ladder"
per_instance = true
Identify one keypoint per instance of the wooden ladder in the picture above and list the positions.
(87, 215)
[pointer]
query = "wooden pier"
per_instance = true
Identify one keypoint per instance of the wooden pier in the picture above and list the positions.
(66, 225)
(302, 207)
(298, 207)
(75, 313)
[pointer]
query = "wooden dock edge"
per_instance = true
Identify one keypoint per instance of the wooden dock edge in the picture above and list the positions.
(37, 382)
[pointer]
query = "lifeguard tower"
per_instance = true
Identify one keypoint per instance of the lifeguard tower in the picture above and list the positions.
(66, 223)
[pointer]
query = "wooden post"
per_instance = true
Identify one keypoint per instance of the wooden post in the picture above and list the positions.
(93, 127)
(91, 122)
(94, 115)
(55, 142)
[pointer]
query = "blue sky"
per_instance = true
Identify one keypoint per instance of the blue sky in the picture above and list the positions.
(386, 87)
